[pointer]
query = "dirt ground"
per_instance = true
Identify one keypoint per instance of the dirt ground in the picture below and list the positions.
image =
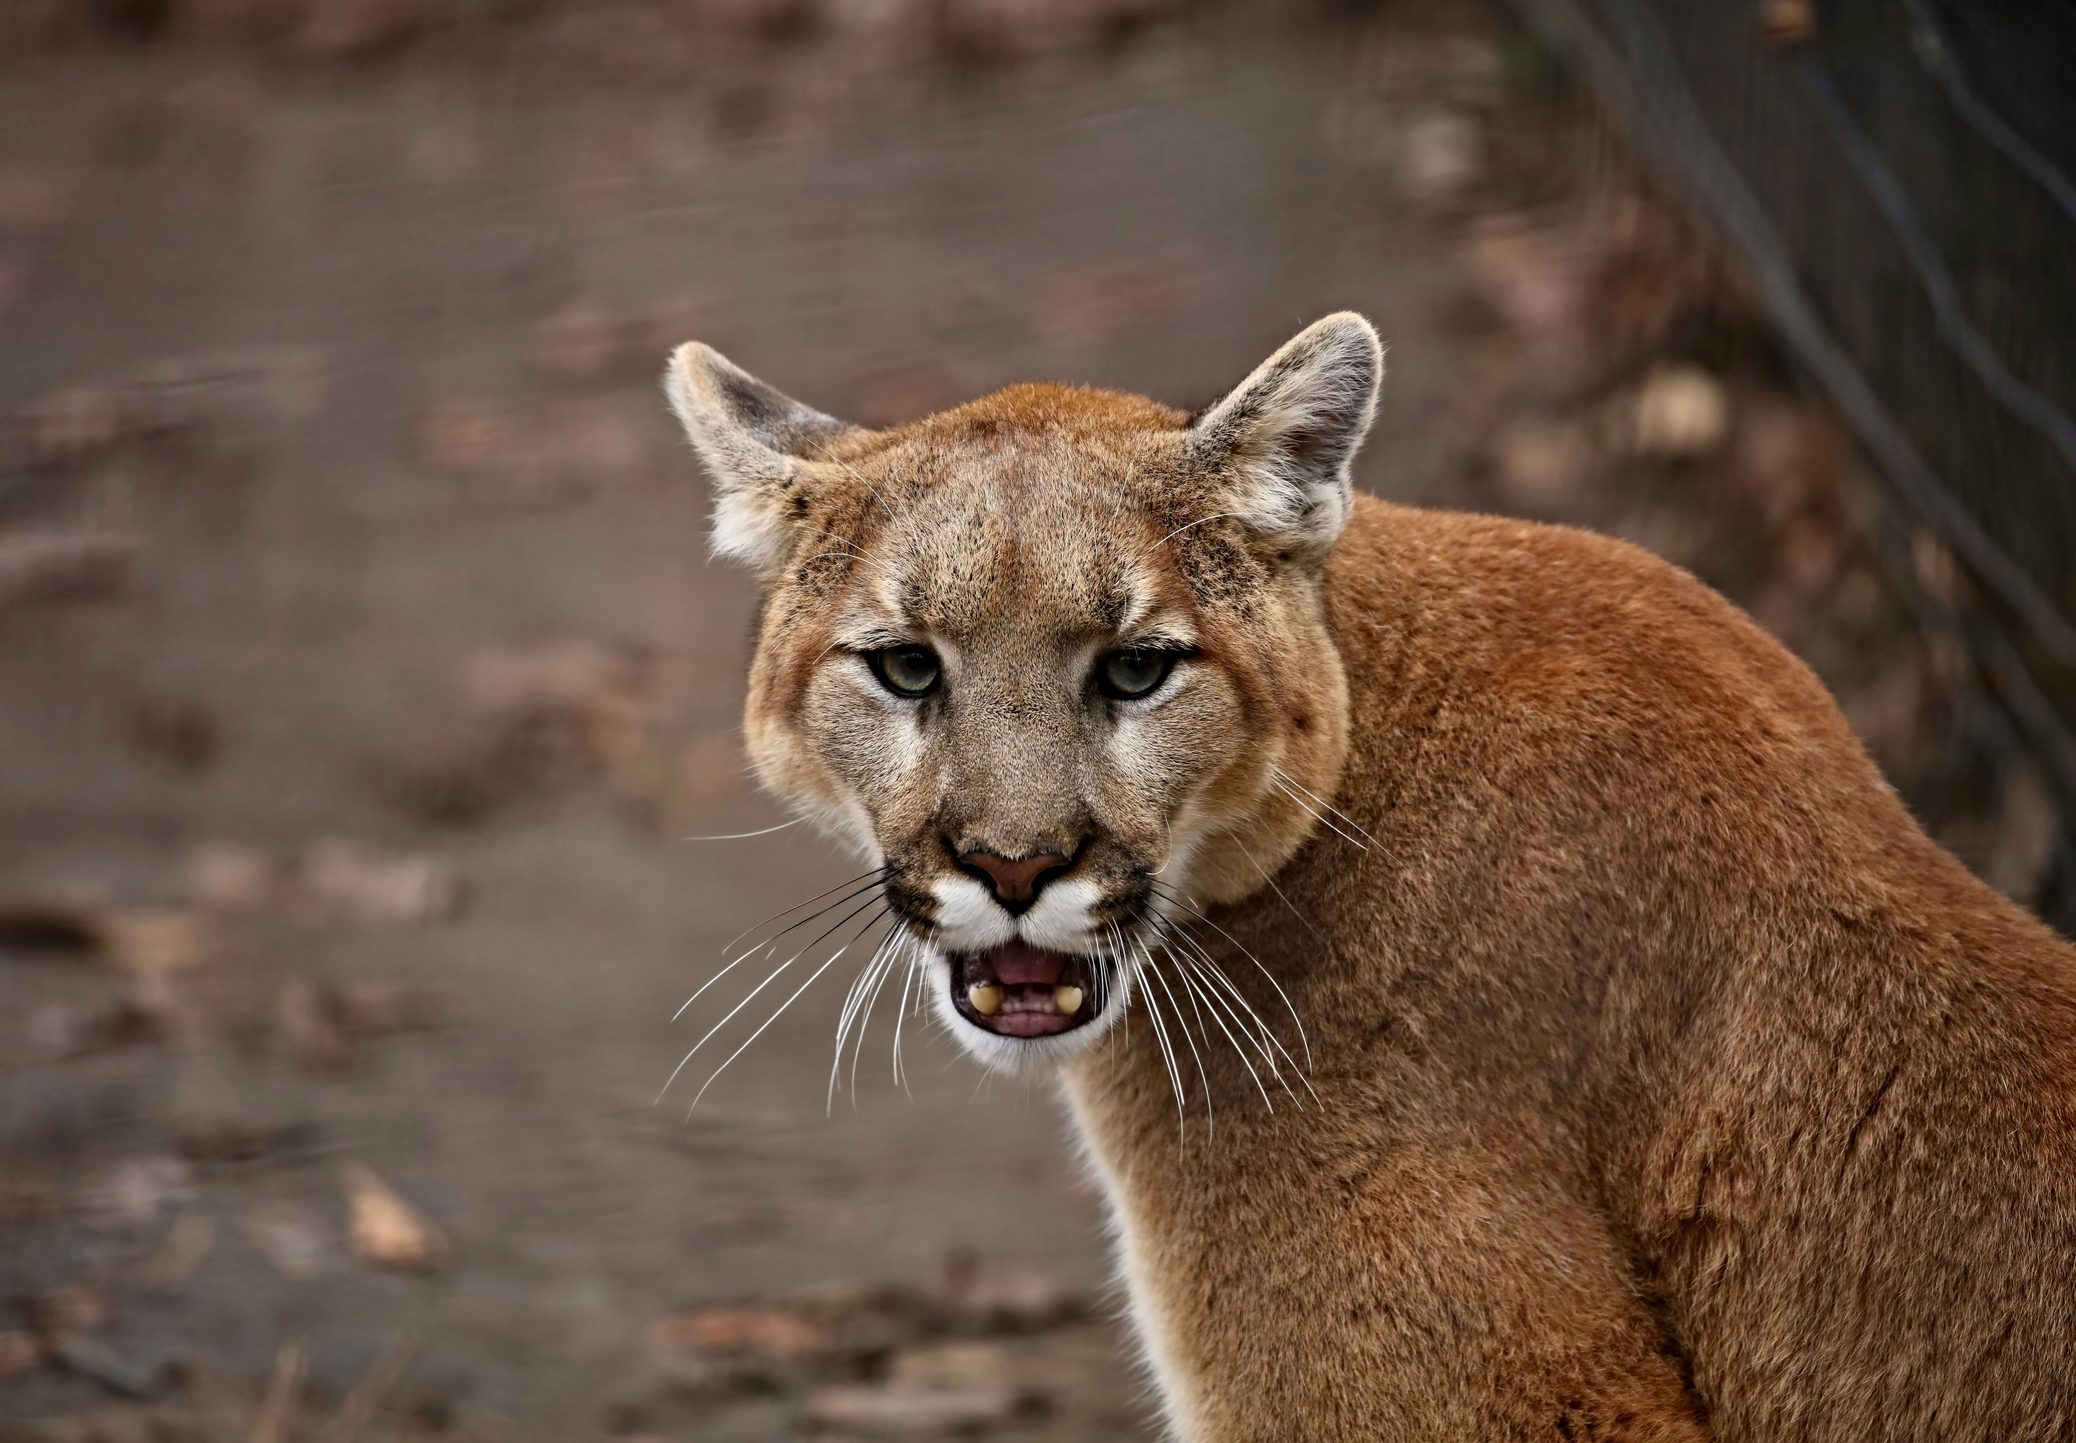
(362, 677)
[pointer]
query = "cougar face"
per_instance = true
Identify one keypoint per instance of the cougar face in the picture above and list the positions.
(1054, 660)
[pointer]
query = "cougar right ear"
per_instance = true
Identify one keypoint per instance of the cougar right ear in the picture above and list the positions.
(753, 439)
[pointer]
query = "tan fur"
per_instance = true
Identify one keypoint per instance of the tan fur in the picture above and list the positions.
(1670, 1083)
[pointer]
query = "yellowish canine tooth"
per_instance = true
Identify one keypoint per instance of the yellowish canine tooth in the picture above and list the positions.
(1067, 999)
(986, 998)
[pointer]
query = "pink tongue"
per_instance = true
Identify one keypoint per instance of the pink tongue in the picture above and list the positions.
(1020, 964)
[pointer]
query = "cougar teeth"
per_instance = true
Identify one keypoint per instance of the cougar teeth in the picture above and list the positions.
(1067, 999)
(986, 998)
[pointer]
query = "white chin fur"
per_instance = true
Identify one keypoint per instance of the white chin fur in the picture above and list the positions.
(1013, 1055)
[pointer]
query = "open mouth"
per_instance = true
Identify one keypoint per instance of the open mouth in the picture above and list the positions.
(1017, 990)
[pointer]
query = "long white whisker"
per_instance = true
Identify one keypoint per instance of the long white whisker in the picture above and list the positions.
(829, 456)
(1201, 521)
(1290, 780)
(771, 943)
(1183, 963)
(1182, 1026)
(879, 982)
(1221, 1004)
(1277, 781)
(856, 550)
(1265, 1036)
(752, 994)
(1303, 1040)
(1256, 864)
(875, 874)
(760, 1031)
(738, 836)
(843, 1020)
(1168, 1057)
(908, 972)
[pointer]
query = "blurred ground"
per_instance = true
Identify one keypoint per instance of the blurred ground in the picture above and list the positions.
(361, 675)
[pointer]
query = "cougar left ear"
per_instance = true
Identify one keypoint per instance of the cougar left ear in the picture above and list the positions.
(1287, 434)
(753, 439)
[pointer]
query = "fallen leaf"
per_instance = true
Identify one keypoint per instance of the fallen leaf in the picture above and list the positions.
(73, 1308)
(386, 1230)
(139, 1190)
(290, 1236)
(64, 566)
(63, 1030)
(952, 1365)
(739, 1330)
(188, 1244)
(1680, 411)
(20, 1351)
(230, 876)
(308, 1016)
(401, 889)
(896, 1411)
(156, 944)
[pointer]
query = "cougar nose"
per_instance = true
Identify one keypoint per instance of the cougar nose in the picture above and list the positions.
(1015, 882)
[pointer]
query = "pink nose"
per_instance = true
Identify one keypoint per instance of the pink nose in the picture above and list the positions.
(1017, 881)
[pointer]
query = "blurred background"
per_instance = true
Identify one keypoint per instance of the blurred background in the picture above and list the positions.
(362, 676)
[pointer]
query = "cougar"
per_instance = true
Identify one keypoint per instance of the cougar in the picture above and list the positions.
(1498, 994)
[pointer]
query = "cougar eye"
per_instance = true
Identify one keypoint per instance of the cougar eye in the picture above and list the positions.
(906, 670)
(1133, 672)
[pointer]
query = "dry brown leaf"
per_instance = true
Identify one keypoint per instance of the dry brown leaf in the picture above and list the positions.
(230, 876)
(386, 1230)
(736, 1331)
(399, 889)
(308, 1016)
(907, 1412)
(20, 1351)
(156, 944)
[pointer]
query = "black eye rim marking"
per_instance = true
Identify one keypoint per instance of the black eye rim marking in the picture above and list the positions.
(876, 659)
(1167, 655)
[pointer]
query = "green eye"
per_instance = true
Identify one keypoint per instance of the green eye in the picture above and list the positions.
(906, 670)
(1132, 672)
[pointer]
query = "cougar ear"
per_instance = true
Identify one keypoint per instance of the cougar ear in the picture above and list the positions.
(753, 439)
(1285, 436)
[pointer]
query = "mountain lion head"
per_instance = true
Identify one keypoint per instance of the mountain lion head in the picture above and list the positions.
(1054, 660)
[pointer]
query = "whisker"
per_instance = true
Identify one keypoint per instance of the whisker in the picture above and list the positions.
(1276, 779)
(752, 994)
(1182, 1026)
(879, 982)
(1291, 1007)
(848, 556)
(769, 944)
(1253, 862)
(830, 458)
(1290, 780)
(1220, 1004)
(781, 1009)
(1201, 521)
(1239, 1049)
(850, 1007)
(860, 552)
(1258, 1028)
(738, 836)
(908, 972)
(851, 882)
(1168, 1057)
